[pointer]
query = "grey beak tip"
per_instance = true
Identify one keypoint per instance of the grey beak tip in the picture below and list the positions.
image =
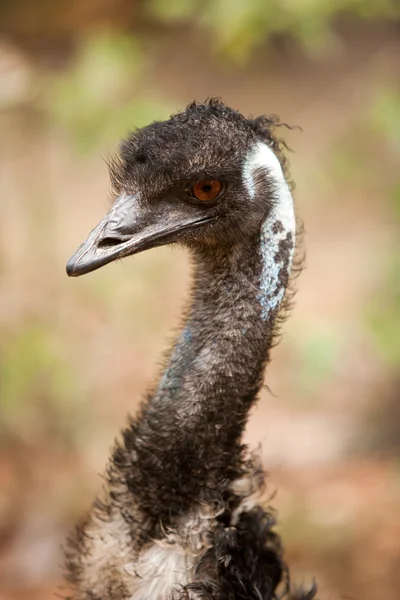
(70, 268)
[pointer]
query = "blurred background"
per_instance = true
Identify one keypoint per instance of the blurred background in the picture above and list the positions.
(77, 355)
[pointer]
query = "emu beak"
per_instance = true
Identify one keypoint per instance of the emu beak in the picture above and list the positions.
(128, 228)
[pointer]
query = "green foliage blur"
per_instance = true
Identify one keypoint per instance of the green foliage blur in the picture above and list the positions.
(100, 96)
(38, 399)
(236, 27)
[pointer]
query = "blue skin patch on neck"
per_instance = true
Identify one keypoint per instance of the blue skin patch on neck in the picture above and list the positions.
(172, 376)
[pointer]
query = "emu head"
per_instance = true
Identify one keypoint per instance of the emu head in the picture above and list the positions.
(206, 178)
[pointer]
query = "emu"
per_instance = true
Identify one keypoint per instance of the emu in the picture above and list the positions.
(178, 517)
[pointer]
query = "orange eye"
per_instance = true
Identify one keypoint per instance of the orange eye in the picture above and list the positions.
(206, 190)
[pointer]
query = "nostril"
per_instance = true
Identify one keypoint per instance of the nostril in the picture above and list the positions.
(109, 242)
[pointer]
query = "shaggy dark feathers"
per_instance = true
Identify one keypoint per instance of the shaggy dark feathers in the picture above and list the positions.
(162, 147)
(184, 448)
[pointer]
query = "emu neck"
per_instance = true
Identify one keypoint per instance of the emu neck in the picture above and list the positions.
(219, 358)
(188, 436)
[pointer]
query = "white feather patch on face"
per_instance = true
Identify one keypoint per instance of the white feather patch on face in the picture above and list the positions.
(278, 229)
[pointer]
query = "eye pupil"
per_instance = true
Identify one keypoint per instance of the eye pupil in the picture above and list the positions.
(206, 190)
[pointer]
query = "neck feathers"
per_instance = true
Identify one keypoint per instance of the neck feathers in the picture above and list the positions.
(185, 446)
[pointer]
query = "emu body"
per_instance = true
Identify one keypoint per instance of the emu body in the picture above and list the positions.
(178, 515)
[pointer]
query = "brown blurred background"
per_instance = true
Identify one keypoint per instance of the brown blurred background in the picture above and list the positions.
(77, 355)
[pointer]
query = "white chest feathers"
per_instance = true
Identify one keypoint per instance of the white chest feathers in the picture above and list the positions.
(157, 571)
(160, 570)
(166, 565)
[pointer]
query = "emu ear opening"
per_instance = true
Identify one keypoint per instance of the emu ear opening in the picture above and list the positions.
(128, 228)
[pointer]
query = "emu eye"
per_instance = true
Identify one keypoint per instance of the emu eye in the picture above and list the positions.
(206, 190)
